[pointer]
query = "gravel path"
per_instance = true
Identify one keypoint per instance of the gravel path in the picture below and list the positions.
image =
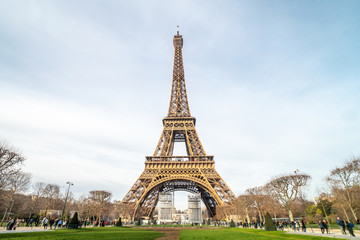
(24, 229)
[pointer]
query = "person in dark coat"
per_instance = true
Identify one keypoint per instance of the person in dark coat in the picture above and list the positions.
(341, 225)
(350, 226)
(303, 225)
(326, 226)
(10, 224)
(321, 226)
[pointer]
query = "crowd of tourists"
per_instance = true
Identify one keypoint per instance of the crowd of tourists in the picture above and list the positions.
(300, 225)
(51, 223)
(347, 225)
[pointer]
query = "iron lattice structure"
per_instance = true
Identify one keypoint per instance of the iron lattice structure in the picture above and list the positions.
(164, 172)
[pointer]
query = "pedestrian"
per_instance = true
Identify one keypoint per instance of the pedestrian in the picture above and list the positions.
(326, 226)
(45, 222)
(321, 226)
(350, 226)
(16, 224)
(292, 224)
(297, 225)
(341, 225)
(56, 223)
(303, 225)
(60, 223)
(51, 222)
(30, 222)
(10, 224)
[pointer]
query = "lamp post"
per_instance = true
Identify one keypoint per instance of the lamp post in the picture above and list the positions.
(67, 194)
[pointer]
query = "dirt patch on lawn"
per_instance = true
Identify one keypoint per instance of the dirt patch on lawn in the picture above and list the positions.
(170, 233)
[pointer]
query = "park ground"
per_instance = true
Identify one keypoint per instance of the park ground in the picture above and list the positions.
(161, 233)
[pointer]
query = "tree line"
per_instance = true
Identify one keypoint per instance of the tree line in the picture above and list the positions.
(283, 196)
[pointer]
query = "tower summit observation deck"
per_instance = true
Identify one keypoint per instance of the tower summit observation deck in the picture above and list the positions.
(194, 173)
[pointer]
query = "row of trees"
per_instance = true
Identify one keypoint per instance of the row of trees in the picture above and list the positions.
(45, 199)
(284, 197)
(12, 179)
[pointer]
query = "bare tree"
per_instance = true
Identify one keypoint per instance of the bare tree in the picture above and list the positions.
(51, 194)
(100, 200)
(345, 185)
(259, 196)
(45, 196)
(271, 204)
(125, 211)
(16, 182)
(246, 205)
(10, 162)
(287, 189)
(38, 192)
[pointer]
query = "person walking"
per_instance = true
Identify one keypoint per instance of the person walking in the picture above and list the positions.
(321, 226)
(10, 224)
(303, 225)
(350, 226)
(45, 222)
(51, 222)
(326, 226)
(60, 223)
(30, 222)
(341, 225)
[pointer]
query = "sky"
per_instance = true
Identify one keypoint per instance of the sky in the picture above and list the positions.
(274, 86)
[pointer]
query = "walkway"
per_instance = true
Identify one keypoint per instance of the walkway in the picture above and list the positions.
(24, 229)
(334, 233)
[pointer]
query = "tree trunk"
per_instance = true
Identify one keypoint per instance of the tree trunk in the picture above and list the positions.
(346, 215)
(353, 212)
(247, 216)
(260, 215)
(275, 217)
(291, 215)
(3, 217)
(11, 206)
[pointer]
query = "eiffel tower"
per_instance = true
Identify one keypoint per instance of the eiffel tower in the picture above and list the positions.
(194, 173)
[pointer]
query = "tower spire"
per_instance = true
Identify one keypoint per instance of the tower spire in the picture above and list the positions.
(179, 106)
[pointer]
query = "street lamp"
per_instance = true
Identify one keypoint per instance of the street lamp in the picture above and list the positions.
(67, 194)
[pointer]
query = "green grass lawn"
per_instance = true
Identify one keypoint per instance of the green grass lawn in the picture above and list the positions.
(112, 233)
(108, 233)
(239, 233)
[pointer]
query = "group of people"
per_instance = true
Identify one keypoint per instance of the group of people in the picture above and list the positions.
(12, 224)
(56, 223)
(295, 225)
(346, 225)
(324, 226)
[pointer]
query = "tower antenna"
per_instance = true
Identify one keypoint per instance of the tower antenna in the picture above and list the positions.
(177, 29)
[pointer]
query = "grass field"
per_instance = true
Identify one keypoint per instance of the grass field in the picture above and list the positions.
(112, 233)
(109, 233)
(239, 233)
